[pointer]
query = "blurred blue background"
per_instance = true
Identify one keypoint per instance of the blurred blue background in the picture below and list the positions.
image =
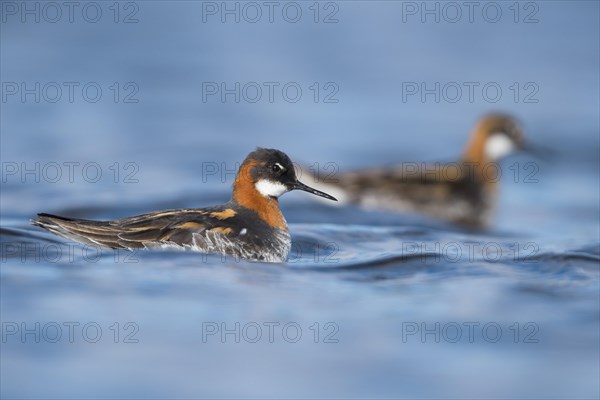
(156, 132)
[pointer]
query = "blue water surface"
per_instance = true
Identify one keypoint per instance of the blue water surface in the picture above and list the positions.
(370, 304)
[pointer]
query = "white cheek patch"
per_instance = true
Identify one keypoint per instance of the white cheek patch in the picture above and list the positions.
(498, 145)
(270, 188)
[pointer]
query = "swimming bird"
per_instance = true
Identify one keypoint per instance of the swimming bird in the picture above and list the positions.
(250, 226)
(463, 192)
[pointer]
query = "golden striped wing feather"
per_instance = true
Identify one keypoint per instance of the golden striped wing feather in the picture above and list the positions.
(173, 226)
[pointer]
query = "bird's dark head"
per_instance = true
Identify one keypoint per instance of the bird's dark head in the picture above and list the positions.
(503, 135)
(494, 137)
(271, 173)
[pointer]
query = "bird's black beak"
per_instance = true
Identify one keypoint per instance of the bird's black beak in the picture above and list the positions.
(539, 152)
(301, 186)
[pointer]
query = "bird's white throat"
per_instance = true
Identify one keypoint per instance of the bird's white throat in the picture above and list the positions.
(498, 146)
(269, 188)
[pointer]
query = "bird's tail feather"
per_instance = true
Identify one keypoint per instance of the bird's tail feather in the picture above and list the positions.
(95, 233)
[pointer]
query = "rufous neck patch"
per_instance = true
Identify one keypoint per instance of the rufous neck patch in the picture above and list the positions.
(246, 195)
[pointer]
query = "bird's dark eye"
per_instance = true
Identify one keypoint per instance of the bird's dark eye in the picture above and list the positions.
(276, 168)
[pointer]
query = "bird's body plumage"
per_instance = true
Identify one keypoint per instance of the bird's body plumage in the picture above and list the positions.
(454, 192)
(227, 229)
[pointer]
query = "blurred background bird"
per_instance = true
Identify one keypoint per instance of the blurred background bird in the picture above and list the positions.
(463, 192)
